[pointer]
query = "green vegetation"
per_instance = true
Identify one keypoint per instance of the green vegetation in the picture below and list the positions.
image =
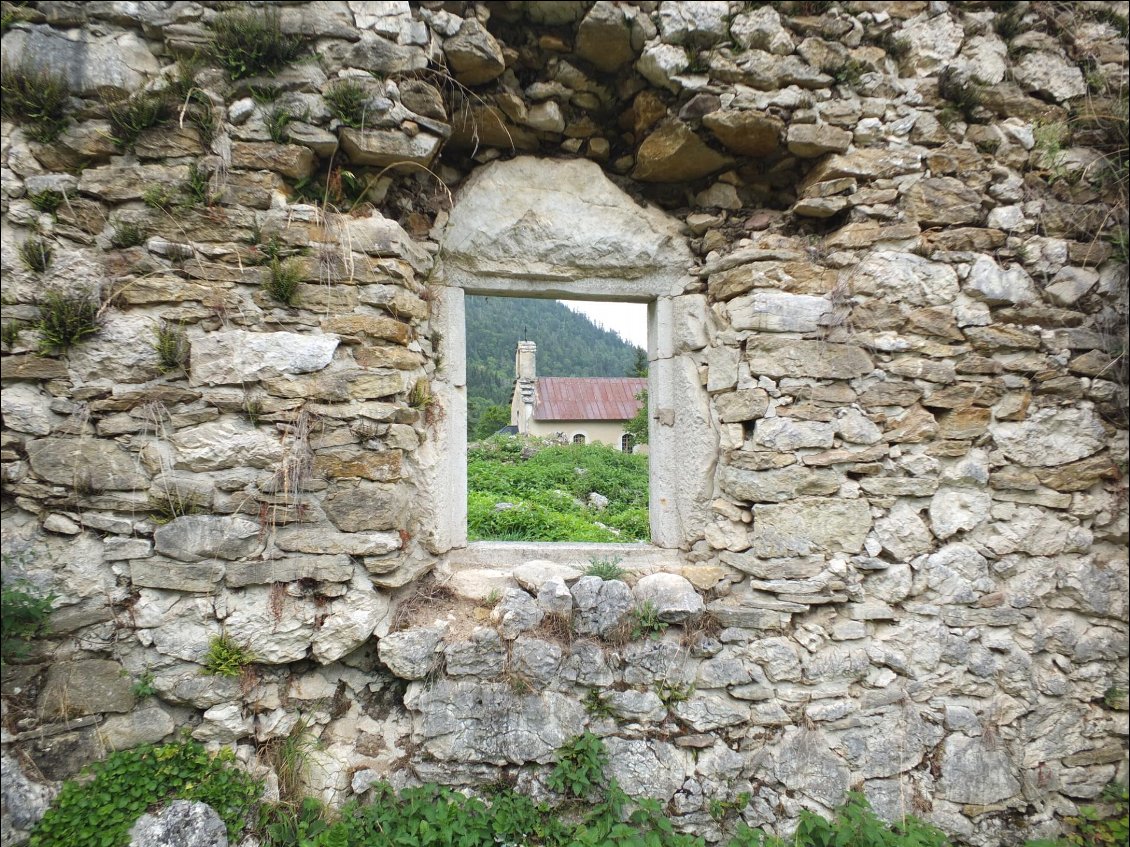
(66, 319)
(47, 201)
(569, 344)
(645, 621)
(171, 346)
(226, 658)
(98, 809)
(36, 254)
(133, 115)
(159, 197)
(547, 488)
(281, 280)
(248, 42)
(196, 188)
(596, 704)
(10, 333)
(24, 617)
(605, 568)
(277, 120)
(637, 427)
(127, 235)
(1095, 826)
(964, 96)
(580, 767)
(143, 687)
(347, 101)
(36, 98)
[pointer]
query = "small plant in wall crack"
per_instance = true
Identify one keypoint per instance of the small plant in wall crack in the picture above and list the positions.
(37, 98)
(36, 254)
(645, 621)
(171, 345)
(25, 610)
(673, 692)
(596, 704)
(127, 235)
(605, 568)
(66, 319)
(226, 658)
(281, 280)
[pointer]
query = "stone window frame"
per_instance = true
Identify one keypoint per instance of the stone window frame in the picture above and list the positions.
(446, 485)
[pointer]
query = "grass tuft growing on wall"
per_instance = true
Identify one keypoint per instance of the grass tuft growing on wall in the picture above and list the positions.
(248, 42)
(36, 98)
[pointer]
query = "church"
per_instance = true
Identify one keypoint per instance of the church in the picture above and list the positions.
(583, 409)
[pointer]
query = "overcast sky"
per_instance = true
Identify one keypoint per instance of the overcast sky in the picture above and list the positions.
(628, 320)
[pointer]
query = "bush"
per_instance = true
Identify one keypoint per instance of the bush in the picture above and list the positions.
(132, 116)
(24, 616)
(347, 101)
(226, 658)
(248, 42)
(548, 492)
(36, 98)
(282, 279)
(171, 345)
(98, 809)
(66, 319)
(36, 254)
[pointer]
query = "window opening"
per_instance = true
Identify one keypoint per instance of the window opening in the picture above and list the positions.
(536, 368)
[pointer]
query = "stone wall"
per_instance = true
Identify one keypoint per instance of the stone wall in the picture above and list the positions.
(882, 243)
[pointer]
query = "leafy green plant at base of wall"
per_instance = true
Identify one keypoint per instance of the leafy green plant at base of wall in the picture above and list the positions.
(605, 568)
(645, 621)
(580, 767)
(1096, 827)
(99, 810)
(23, 616)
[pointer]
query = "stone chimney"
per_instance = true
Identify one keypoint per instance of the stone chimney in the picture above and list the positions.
(525, 360)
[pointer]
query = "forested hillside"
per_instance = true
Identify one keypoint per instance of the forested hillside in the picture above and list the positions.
(569, 344)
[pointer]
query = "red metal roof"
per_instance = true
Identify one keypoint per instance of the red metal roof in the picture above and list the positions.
(587, 398)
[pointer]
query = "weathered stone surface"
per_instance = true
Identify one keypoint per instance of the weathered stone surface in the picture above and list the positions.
(30, 366)
(534, 574)
(564, 221)
(648, 767)
(193, 538)
(907, 277)
(182, 823)
(803, 762)
(300, 539)
(604, 37)
(954, 510)
(473, 721)
(473, 54)
(1049, 74)
(226, 443)
(705, 712)
(85, 687)
(275, 627)
(786, 434)
(98, 66)
(988, 281)
(775, 357)
(86, 464)
(25, 801)
(673, 596)
(776, 311)
(745, 404)
(1050, 436)
(374, 326)
(25, 410)
(145, 725)
(903, 533)
(748, 133)
(412, 653)
(366, 507)
(381, 148)
(811, 140)
(118, 183)
(350, 620)
(483, 655)
(804, 526)
(159, 572)
(291, 160)
(516, 613)
(777, 485)
(675, 153)
(694, 24)
(599, 605)
(236, 357)
(974, 773)
(942, 201)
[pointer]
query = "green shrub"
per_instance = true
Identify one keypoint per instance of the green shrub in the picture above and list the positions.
(36, 254)
(159, 197)
(277, 120)
(1095, 826)
(133, 115)
(196, 188)
(127, 235)
(47, 201)
(347, 101)
(24, 613)
(36, 98)
(66, 319)
(645, 621)
(171, 345)
(579, 771)
(226, 658)
(98, 809)
(605, 568)
(548, 492)
(248, 42)
(282, 279)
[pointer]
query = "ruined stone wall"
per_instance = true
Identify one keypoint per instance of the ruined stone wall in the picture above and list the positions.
(885, 243)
